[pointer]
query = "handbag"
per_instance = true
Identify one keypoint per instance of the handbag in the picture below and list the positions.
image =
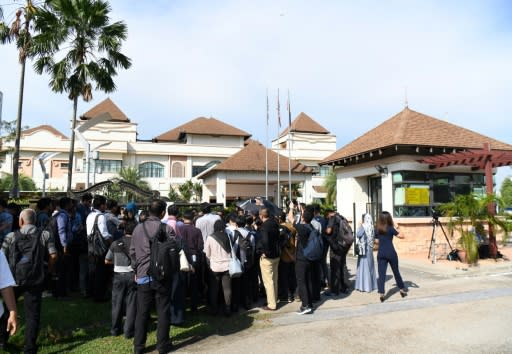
(184, 264)
(235, 266)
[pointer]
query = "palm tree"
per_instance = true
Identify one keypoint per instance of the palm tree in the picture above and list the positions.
(186, 190)
(330, 186)
(25, 183)
(198, 191)
(132, 175)
(92, 51)
(19, 31)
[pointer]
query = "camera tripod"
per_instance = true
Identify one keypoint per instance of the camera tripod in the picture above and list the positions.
(432, 249)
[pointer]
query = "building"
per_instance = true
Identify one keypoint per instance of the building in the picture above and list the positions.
(165, 161)
(382, 170)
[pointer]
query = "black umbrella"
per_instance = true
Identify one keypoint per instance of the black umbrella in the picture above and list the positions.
(249, 206)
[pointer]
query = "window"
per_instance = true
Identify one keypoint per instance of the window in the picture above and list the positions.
(108, 166)
(324, 171)
(198, 169)
(151, 169)
(178, 170)
(415, 193)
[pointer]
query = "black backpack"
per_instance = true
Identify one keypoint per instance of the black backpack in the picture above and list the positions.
(51, 228)
(164, 258)
(26, 258)
(344, 236)
(244, 243)
(96, 244)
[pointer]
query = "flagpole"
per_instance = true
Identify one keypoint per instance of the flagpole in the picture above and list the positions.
(266, 154)
(278, 154)
(289, 149)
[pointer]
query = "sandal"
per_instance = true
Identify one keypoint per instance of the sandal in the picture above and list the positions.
(403, 293)
(382, 298)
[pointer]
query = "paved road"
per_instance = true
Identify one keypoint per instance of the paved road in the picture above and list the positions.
(447, 311)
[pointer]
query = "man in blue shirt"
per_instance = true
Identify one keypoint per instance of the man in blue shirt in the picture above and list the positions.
(5, 220)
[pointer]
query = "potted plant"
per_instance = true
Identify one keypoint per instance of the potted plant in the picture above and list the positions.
(470, 212)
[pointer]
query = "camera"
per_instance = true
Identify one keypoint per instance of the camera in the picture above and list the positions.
(435, 214)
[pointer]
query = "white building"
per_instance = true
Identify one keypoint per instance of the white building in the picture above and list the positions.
(169, 159)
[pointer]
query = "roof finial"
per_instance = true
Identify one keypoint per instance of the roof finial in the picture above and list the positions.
(406, 102)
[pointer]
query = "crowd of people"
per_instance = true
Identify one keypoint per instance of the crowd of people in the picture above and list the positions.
(272, 247)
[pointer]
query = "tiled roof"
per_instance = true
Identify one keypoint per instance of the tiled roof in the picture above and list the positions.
(44, 127)
(305, 124)
(106, 106)
(252, 158)
(415, 129)
(201, 126)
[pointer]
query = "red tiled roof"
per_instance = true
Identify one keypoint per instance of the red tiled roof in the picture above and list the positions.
(252, 158)
(305, 124)
(106, 106)
(201, 126)
(415, 129)
(44, 127)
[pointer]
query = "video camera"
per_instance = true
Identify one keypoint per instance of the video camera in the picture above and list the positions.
(435, 214)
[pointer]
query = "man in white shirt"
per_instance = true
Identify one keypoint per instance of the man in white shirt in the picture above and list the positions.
(97, 267)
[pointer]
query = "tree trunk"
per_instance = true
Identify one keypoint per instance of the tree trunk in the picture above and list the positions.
(72, 145)
(15, 193)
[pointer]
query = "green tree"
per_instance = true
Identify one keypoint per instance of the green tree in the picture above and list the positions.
(19, 31)
(330, 186)
(24, 183)
(78, 47)
(197, 188)
(132, 175)
(506, 192)
(173, 195)
(186, 190)
(469, 211)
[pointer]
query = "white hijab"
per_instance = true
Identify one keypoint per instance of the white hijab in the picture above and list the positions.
(368, 229)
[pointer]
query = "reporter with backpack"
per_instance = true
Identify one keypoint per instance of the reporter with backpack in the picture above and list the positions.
(25, 250)
(154, 253)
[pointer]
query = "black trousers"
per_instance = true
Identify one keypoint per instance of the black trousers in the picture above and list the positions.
(124, 296)
(98, 277)
(287, 282)
(382, 263)
(248, 287)
(220, 281)
(315, 280)
(324, 272)
(303, 273)
(177, 308)
(194, 286)
(146, 294)
(32, 307)
(338, 263)
(63, 269)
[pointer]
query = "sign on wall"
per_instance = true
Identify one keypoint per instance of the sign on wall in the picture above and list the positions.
(417, 196)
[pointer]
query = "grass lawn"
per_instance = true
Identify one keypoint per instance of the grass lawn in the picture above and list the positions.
(83, 326)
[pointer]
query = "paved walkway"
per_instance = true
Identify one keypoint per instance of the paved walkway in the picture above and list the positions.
(451, 307)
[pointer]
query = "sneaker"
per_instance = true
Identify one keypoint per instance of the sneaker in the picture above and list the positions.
(304, 310)
(291, 298)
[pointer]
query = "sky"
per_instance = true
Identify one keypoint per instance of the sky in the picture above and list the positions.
(349, 65)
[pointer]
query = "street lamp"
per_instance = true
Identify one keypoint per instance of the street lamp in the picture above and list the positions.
(87, 146)
(95, 156)
(42, 158)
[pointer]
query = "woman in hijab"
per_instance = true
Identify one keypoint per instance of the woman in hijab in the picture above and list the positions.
(366, 279)
(217, 249)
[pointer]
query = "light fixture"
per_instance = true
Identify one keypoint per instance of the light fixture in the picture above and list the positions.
(381, 169)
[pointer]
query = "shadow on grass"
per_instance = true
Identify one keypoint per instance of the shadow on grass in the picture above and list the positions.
(81, 325)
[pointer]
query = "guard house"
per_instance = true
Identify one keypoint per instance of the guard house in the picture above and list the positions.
(381, 170)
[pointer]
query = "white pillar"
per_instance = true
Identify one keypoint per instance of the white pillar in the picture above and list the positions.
(221, 188)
